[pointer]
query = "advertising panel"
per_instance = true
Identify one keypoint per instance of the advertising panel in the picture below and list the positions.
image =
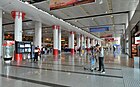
(137, 40)
(107, 35)
(57, 4)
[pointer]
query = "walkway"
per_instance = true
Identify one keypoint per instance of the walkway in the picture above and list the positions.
(67, 71)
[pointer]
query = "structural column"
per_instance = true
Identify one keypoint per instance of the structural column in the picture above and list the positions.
(69, 41)
(78, 41)
(38, 34)
(82, 41)
(55, 40)
(85, 44)
(72, 42)
(92, 42)
(18, 16)
(1, 33)
(88, 44)
(59, 39)
(99, 42)
(96, 42)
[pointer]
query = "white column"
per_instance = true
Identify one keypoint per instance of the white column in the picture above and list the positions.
(85, 45)
(72, 42)
(82, 41)
(18, 16)
(88, 42)
(96, 42)
(38, 34)
(55, 39)
(78, 41)
(1, 33)
(69, 41)
(93, 42)
(99, 42)
(59, 39)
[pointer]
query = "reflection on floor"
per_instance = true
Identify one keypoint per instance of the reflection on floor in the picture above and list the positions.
(67, 71)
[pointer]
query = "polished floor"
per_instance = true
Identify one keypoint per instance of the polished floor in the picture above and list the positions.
(67, 71)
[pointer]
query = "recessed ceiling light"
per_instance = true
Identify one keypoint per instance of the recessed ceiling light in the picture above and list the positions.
(112, 16)
(106, 12)
(101, 2)
(75, 20)
(3, 12)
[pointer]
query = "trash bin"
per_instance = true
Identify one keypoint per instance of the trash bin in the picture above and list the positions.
(136, 62)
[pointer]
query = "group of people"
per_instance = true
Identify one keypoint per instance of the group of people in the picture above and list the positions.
(38, 52)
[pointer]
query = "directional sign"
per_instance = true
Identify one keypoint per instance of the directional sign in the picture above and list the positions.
(99, 29)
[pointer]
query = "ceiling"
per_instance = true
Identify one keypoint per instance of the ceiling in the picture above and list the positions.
(116, 22)
(100, 13)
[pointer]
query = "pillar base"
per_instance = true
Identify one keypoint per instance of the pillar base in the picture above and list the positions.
(72, 51)
(18, 57)
(55, 52)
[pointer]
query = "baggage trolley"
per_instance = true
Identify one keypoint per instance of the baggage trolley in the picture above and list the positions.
(91, 64)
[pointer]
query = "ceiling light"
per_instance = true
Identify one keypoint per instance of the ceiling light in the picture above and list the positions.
(75, 20)
(3, 12)
(106, 12)
(101, 2)
(111, 16)
(92, 19)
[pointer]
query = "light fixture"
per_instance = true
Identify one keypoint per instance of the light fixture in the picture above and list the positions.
(75, 20)
(111, 16)
(3, 12)
(92, 19)
(101, 2)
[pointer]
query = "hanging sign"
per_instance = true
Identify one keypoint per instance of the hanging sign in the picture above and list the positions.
(99, 29)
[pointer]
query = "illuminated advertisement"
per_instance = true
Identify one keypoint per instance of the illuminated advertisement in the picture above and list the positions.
(57, 4)
(137, 40)
(107, 35)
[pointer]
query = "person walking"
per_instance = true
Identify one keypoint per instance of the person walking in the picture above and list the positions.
(101, 58)
(36, 54)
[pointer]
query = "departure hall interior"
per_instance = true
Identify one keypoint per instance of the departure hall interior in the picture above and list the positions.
(69, 43)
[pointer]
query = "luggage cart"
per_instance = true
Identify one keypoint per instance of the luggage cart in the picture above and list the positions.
(91, 64)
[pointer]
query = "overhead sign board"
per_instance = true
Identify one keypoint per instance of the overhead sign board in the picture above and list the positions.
(57, 4)
(99, 29)
(107, 35)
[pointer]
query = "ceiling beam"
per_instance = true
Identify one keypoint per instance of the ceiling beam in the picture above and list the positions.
(99, 15)
(14, 22)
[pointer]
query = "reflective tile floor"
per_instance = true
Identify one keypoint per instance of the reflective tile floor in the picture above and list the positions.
(67, 71)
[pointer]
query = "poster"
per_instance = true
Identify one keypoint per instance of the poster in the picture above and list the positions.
(57, 4)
